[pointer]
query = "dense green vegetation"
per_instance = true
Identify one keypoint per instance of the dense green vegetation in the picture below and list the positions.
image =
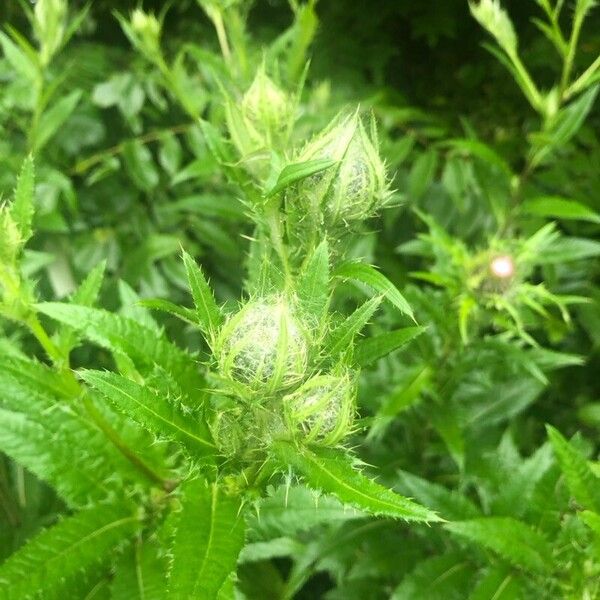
(299, 300)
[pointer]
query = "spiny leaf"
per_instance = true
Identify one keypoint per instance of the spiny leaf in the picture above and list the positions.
(341, 337)
(126, 337)
(208, 540)
(374, 279)
(313, 283)
(154, 412)
(22, 208)
(209, 314)
(513, 540)
(181, 312)
(560, 208)
(76, 548)
(583, 484)
(332, 471)
(372, 349)
(291, 174)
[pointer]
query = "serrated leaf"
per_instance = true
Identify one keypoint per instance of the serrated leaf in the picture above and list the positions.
(341, 337)
(313, 283)
(331, 471)
(513, 540)
(372, 349)
(450, 503)
(125, 337)
(291, 174)
(140, 574)
(581, 481)
(21, 209)
(181, 312)
(53, 118)
(78, 547)
(560, 208)
(153, 411)
(209, 314)
(207, 542)
(377, 281)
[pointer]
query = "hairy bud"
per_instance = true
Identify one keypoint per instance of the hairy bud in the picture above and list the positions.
(353, 189)
(263, 346)
(322, 409)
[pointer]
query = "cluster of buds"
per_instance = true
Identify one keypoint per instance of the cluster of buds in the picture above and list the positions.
(264, 348)
(355, 187)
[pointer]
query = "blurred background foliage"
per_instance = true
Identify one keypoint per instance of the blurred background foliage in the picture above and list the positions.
(456, 420)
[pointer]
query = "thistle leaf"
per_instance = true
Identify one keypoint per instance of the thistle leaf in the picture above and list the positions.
(125, 337)
(153, 411)
(511, 539)
(313, 284)
(75, 549)
(21, 210)
(291, 174)
(372, 349)
(332, 471)
(208, 539)
(209, 315)
(368, 275)
(581, 481)
(341, 337)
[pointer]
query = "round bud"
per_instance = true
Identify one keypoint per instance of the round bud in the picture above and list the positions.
(321, 409)
(266, 107)
(354, 188)
(263, 346)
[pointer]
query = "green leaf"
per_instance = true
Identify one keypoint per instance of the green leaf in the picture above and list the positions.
(125, 337)
(481, 151)
(450, 503)
(332, 471)
(498, 583)
(559, 208)
(140, 573)
(21, 209)
(57, 444)
(566, 249)
(341, 337)
(18, 59)
(77, 548)
(581, 481)
(181, 312)
(374, 279)
(53, 118)
(153, 411)
(422, 174)
(592, 520)
(140, 165)
(209, 315)
(511, 539)
(372, 349)
(208, 540)
(291, 174)
(313, 283)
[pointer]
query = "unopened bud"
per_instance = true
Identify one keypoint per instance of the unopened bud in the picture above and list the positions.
(356, 187)
(145, 28)
(321, 410)
(263, 345)
(50, 18)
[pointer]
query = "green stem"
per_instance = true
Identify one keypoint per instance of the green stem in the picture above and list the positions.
(568, 64)
(53, 352)
(276, 233)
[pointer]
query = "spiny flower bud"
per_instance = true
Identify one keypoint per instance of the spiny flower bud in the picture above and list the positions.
(353, 189)
(263, 345)
(266, 107)
(145, 30)
(322, 408)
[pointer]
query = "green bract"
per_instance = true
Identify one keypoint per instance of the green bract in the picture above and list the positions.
(356, 187)
(263, 345)
(321, 410)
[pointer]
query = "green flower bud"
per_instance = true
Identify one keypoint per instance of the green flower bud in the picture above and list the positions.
(263, 345)
(356, 187)
(50, 18)
(266, 107)
(322, 408)
(145, 33)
